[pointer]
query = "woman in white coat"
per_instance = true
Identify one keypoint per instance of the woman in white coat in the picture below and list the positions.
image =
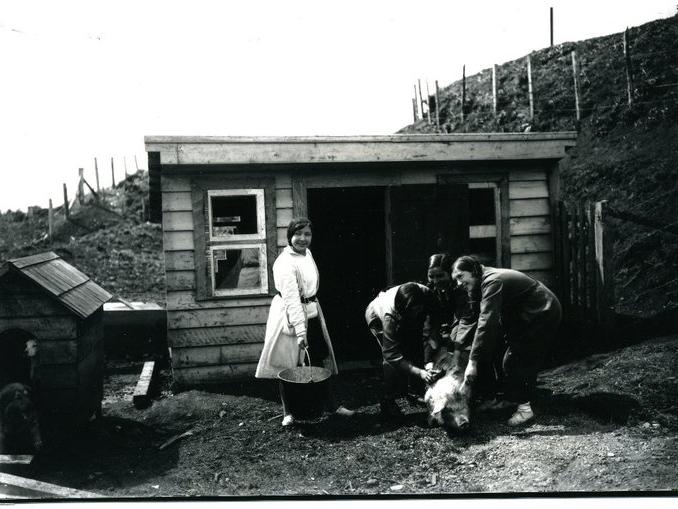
(295, 320)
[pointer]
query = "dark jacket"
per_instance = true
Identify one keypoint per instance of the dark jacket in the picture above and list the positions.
(511, 304)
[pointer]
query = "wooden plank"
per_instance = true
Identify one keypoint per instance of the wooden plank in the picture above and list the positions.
(177, 241)
(366, 179)
(604, 276)
(450, 147)
(20, 306)
(503, 221)
(283, 198)
(281, 236)
(58, 352)
(532, 261)
(172, 202)
(177, 280)
(141, 398)
(213, 374)
(179, 260)
(530, 207)
(523, 175)
(530, 225)
(283, 217)
(15, 459)
(283, 181)
(43, 328)
(217, 355)
(485, 231)
(528, 189)
(177, 221)
(57, 376)
(531, 244)
(299, 198)
(175, 183)
(545, 276)
(38, 489)
(27, 261)
(217, 317)
(177, 300)
(225, 335)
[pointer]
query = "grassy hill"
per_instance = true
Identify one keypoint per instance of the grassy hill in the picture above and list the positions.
(625, 154)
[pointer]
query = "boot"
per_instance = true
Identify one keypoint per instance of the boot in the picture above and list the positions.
(522, 415)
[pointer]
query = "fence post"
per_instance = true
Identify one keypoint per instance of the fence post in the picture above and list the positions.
(437, 107)
(529, 87)
(112, 173)
(463, 91)
(494, 89)
(576, 85)
(81, 191)
(136, 163)
(50, 221)
(416, 106)
(414, 109)
(604, 281)
(421, 99)
(627, 63)
(124, 160)
(551, 16)
(66, 212)
(96, 172)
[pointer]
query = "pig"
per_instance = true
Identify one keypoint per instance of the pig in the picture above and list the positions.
(448, 399)
(19, 428)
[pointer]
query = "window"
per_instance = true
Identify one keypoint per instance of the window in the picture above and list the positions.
(236, 242)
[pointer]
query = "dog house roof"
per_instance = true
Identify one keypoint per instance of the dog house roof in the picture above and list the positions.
(71, 287)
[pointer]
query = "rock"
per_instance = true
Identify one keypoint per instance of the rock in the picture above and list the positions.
(397, 487)
(371, 482)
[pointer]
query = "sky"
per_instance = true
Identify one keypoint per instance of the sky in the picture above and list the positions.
(89, 79)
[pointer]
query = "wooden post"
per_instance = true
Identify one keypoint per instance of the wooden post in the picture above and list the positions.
(416, 105)
(529, 87)
(494, 89)
(576, 85)
(50, 220)
(414, 109)
(604, 281)
(551, 12)
(421, 99)
(112, 173)
(66, 201)
(124, 160)
(136, 163)
(437, 107)
(96, 172)
(81, 191)
(627, 63)
(428, 104)
(463, 90)
(143, 209)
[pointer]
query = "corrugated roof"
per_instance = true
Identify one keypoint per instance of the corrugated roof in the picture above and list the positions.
(71, 287)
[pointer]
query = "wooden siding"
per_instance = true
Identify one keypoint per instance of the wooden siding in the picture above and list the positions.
(217, 339)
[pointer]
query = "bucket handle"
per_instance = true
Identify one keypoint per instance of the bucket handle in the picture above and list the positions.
(303, 361)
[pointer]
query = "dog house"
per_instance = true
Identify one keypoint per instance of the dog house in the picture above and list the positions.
(51, 334)
(380, 205)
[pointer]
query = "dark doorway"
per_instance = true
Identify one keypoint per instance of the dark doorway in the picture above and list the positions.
(15, 363)
(349, 248)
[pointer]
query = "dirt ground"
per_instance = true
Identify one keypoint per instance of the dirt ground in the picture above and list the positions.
(605, 424)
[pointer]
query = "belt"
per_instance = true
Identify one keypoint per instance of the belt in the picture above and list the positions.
(305, 300)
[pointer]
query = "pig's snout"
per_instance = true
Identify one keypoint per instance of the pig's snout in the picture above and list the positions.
(463, 423)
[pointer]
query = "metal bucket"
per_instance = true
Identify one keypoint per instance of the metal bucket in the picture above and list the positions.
(305, 390)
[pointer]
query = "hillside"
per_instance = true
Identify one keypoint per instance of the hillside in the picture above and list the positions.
(624, 154)
(107, 238)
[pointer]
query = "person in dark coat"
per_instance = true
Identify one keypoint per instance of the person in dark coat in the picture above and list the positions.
(519, 309)
(396, 318)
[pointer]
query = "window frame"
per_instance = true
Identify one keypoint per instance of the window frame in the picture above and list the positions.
(261, 214)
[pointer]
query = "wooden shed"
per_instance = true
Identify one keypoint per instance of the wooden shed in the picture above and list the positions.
(46, 301)
(380, 206)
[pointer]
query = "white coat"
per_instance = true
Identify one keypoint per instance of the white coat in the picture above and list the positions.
(287, 318)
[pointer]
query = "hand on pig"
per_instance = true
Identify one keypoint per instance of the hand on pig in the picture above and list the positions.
(471, 372)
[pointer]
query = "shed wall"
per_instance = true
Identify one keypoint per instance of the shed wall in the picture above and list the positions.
(218, 339)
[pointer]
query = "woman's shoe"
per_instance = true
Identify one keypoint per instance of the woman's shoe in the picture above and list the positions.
(522, 415)
(288, 420)
(344, 412)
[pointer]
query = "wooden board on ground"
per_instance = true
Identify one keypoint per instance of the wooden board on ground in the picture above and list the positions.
(22, 487)
(15, 459)
(142, 393)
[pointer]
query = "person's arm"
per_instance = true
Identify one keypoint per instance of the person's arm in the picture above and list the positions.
(488, 326)
(391, 350)
(290, 293)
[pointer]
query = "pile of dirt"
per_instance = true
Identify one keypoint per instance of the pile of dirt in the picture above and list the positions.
(625, 153)
(108, 237)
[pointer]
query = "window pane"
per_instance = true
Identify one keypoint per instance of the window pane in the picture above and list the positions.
(481, 206)
(234, 215)
(236, 269)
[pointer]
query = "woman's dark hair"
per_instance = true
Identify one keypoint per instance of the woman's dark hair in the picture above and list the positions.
(442, 261)
(412, 294)
(295, 225)
(468, 264)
